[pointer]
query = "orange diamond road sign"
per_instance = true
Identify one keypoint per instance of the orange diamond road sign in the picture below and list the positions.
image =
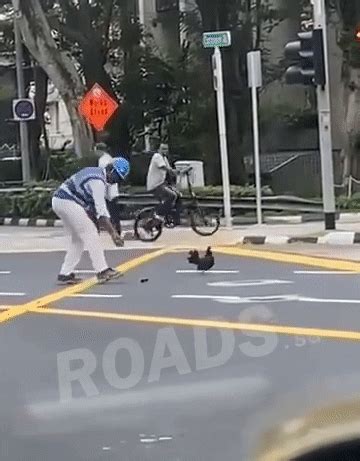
(97, 107)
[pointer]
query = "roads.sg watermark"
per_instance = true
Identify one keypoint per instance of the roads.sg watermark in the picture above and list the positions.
(78, 365)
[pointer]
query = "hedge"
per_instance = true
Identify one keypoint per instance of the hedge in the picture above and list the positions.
(37, 204)
(61, 166)
(352, 203)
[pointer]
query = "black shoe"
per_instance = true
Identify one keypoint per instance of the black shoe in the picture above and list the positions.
(70, 279)
(108, 274)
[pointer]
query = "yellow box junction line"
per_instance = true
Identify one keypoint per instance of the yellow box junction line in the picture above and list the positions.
(44, 301)
(204, 323)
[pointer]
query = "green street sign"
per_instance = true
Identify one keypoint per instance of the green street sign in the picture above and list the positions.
(217, 39)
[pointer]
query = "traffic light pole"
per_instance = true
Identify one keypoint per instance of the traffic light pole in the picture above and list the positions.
(324, 111)
(24, 135)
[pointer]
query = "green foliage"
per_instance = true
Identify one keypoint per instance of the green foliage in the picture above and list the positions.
(346, 203)
(6, 27)
(235, 191)
(288, 116)
(351, 48)
(61, 166)
(10, 170)
(347, 17)
(29, 204)
(173, 95)
(64, 164)
(34, 203)
(251, 25)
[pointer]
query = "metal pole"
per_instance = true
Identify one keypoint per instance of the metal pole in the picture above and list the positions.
(256, 154)
(350, 186)
(323, 98)
(182, 33)
(24, 136)
(141, 8)
(223, 139)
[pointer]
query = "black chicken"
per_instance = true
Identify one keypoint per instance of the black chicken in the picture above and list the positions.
(203, 263)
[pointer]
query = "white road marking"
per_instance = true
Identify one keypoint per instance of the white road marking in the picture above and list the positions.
(241, 300)
(95, 295)
(84, 271)
(249, 283)
(62, 248)
(267, 299)
(192, 271)
(326, 272)
(330, 301)
(5, 272)
(12, 294)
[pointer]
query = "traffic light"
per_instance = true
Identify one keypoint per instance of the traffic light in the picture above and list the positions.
(307, 55)
(357, 34)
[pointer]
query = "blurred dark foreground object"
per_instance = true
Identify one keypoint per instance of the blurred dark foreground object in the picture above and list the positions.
(326, 434)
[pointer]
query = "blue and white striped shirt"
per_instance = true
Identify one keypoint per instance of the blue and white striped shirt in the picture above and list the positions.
(88, 189)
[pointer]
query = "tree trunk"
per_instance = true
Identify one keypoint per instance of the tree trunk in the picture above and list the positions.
(83, 137)
(351, 99)
(58, 66)
(93, 66)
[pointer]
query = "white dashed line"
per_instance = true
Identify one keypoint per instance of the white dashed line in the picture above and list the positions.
(329, 301)
(95, 295)
(241, 300)
(272, 299)
(12, 294)
(191, 271)
(248, 283)
(325, 273)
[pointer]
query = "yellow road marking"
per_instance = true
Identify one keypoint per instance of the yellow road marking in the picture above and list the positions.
(12, 312)
(204, 323)
(17, 310)
(291, 258)
(343, 265)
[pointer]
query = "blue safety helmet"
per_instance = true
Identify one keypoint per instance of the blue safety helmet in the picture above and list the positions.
(122, 167)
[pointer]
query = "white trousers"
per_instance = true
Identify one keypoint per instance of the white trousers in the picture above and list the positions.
(83, 235)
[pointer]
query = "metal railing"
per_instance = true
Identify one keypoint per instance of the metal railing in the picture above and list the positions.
(270, 203)
(350, 183)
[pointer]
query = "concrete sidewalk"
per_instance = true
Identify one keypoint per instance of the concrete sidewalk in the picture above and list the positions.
(343, 252)
(347, 233)
(53, 239)
(17, 239)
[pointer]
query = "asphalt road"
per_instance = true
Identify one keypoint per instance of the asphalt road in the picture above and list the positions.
(76, 385)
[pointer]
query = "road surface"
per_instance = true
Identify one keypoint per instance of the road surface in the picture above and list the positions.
(149, 368)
